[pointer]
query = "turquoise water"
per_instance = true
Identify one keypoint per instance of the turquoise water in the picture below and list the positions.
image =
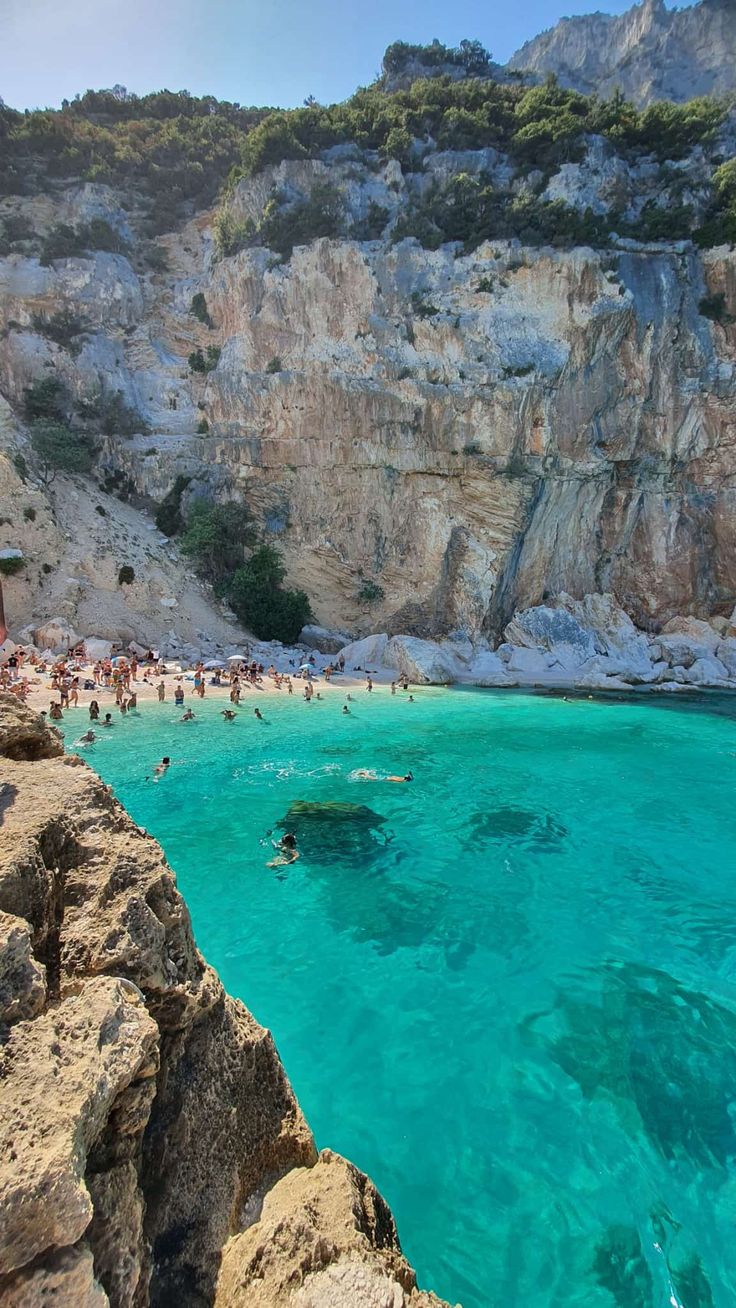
(510, 995)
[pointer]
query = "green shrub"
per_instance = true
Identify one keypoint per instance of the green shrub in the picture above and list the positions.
(257, 597)
(517, 370)
(370, 593)
(156, 258)
(207, 362)
(215, 539)
(60, 448)
(64, 328)
(20, 465)
(485, 286)
(203, 427)
(126, 575)
(714, 307)
(29, 513)
(372, 226)
(100, 508)
(281, 228)
(44, 398)
(65, 242)
(168, 516)
(109, 413)
(198, 309)
(423, 307)
(9, 567)
(274, 365)
(231, 234)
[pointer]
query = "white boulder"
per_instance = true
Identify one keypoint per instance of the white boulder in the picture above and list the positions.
(366, 653)
(422, 661)
(726, 653)
(55, 635)
(543, 627)
(487, 669)
(706, 672)
(695, 631)
(529, 664)
(97, 648)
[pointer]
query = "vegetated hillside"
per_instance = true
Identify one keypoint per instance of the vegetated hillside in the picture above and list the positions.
(452, 345)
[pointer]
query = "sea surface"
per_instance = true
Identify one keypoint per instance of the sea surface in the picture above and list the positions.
(507, 989)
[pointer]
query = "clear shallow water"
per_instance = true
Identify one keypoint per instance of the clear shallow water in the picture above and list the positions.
(513, 1000)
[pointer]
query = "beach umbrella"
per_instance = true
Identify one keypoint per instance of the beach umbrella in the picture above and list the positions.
(213, 663)
(306, 667)
(237, 658)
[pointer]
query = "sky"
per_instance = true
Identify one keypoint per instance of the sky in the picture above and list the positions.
(256, 52)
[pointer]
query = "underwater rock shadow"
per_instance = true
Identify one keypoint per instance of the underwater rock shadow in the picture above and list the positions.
(664, 1054)
(347, 852)
(511, 824)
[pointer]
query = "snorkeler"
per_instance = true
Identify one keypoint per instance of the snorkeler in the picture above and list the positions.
(286, 851)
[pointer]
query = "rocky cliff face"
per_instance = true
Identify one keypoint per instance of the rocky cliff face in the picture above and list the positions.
(650, 52)
(433, 438)
(151, 1142)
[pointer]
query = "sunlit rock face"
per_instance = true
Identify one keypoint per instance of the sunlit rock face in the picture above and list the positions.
(650, 52)
(434, 440)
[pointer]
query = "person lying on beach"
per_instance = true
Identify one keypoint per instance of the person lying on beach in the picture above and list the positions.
(228, 715)
(287, 851)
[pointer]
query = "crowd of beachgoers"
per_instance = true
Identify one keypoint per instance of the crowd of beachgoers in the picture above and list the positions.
(115, 684)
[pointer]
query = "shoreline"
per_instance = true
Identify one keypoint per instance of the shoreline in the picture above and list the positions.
(40, 696)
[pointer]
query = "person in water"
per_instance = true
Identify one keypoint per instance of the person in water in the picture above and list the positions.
(286, 850)
(94, 710)
(161, 767)
(88, 738)
(345, 708)
(188, 716)
(108, 721)
(55, 712)
(228, 715)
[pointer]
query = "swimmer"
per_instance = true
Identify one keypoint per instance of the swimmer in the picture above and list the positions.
(108, 722)
(259, 715)
(55, 712)
(188, 716)
(349, 698)
(345, 709)
(286, 851)
(161, 767)
(88, 738)
(393, 687)
(228, 715)
(411, 700)
(409, 777)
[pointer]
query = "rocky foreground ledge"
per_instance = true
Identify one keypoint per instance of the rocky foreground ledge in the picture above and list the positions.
(151, 1148)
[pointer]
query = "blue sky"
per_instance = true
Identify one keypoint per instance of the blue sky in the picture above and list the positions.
(254, 51)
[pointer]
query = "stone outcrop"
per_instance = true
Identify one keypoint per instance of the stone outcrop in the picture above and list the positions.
(650, 52)
(143, 1111)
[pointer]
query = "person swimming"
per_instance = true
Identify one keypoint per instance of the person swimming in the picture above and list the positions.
(259, 715)
(367, 774)
(88, 738)
(345, 708)
(161, 767)
(228, 715)
(108, 722)
(286, 851)
(188, 716)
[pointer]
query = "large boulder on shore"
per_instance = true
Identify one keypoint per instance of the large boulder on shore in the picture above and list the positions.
(323, 639)
(422, 661)
(488, 669)
(366, 653)
(548, 628)
(56, 635)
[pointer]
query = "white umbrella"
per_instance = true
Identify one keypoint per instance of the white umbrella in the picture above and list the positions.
(237, 658)
(213, 663)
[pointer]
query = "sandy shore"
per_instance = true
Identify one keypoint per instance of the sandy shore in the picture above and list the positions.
(41, 695)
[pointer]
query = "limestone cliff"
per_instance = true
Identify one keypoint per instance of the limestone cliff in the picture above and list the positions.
(433, 437)
(149, 1133)
(650, 52)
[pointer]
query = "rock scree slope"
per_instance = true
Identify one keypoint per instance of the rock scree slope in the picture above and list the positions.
(152, 1149)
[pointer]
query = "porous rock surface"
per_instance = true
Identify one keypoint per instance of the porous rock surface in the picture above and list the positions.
(143, 1111)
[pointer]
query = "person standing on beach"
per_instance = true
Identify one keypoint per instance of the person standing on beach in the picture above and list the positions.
(161, 692)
